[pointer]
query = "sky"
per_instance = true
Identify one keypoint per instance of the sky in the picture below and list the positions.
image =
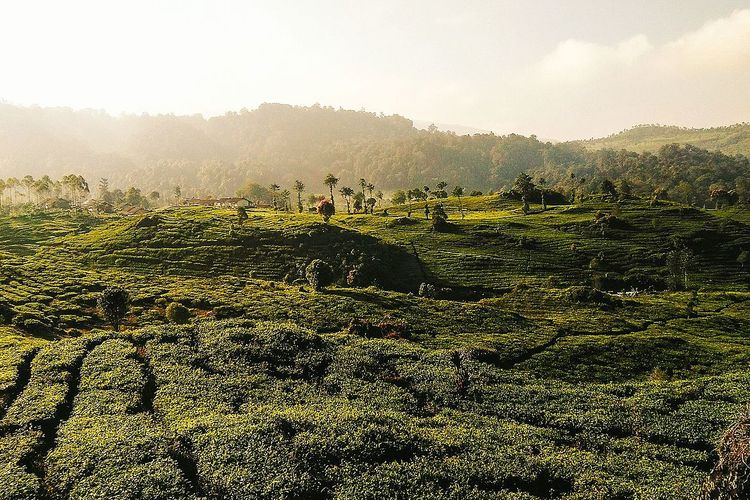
(558, 69)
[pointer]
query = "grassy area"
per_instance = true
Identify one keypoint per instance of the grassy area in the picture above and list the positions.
(518, 378)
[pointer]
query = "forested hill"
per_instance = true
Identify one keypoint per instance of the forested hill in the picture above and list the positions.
(734, 139)
(279, 144)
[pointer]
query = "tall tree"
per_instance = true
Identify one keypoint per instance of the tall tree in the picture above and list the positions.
(331, 182)
(299, 187)
(347, 193)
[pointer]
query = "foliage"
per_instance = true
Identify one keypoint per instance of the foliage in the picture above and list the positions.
(318, 274)
(113, 303)
(177, 313)
(326, 209)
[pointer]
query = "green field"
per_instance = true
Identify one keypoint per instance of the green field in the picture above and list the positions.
(535, 370)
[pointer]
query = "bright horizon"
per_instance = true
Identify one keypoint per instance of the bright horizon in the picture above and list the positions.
(569, 72)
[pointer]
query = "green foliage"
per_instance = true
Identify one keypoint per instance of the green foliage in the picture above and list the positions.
(177, 313)
(509, 377)
(114, 303)
(318, 274)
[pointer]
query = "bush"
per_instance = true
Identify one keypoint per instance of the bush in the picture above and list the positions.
(318, 274)
(427, 290)
(177, 313)
(326, 209)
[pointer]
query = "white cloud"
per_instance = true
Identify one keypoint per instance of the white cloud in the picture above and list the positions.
(575, 61)
(699, 79)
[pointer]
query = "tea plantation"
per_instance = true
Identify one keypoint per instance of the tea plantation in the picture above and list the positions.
(509, 356)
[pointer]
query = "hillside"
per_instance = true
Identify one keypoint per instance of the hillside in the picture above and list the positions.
(515, 379)
(734, 139)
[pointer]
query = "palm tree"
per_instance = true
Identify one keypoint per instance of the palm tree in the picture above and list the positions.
(2, 190)
(299, 187)
(379, 196)
(347, 193)
(275, 189)
(331, 182)
(363, 185)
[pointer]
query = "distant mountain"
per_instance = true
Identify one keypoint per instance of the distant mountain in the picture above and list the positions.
(734, 139)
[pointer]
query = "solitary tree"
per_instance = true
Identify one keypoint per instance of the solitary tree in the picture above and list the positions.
(299, 187)
(347, 193)
(114, 305)
(177, 192)
(458, 192)
(331, 182)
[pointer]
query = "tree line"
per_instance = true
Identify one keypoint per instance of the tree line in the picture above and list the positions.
(281, 144)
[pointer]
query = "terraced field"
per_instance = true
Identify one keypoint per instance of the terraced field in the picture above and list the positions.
(518, 380)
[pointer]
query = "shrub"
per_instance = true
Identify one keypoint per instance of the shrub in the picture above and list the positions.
(177, 313)
(318, 274)
(326, 209)
(730, 478)
(427, 290)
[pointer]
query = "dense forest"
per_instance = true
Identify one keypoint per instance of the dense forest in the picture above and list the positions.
(280, 144)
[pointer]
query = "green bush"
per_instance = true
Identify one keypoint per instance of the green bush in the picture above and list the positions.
(177, 313)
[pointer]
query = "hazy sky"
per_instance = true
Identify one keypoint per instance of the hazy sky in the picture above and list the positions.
(560, 69)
